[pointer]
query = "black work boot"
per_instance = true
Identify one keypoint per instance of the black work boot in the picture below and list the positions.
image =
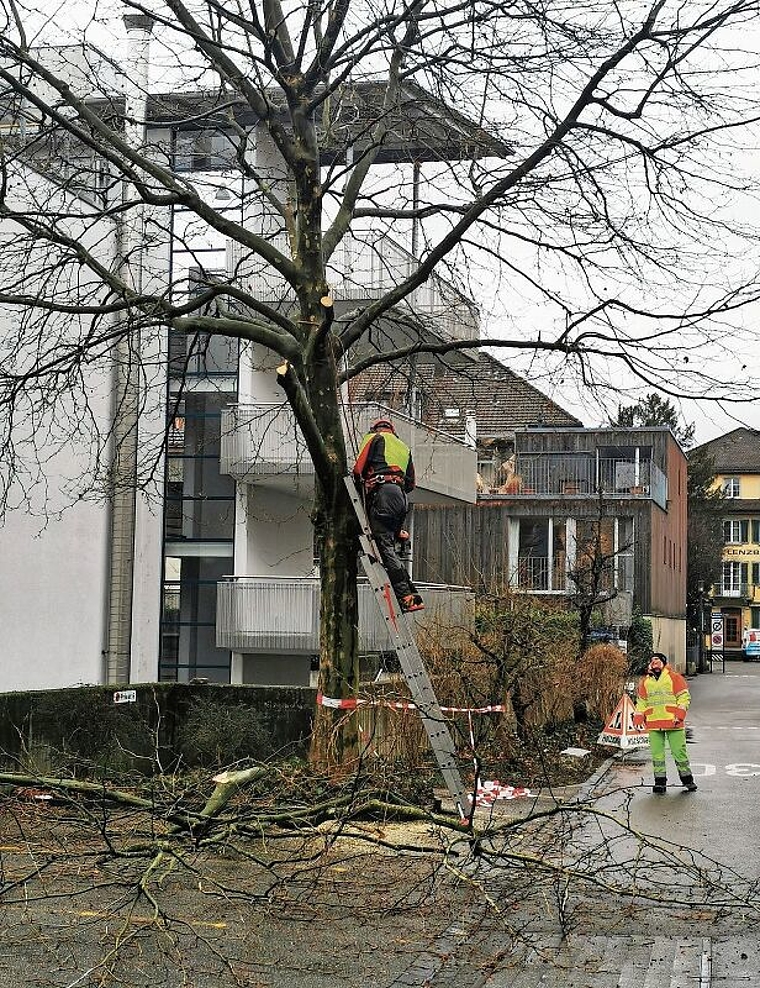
(660, 785)
(687, 781)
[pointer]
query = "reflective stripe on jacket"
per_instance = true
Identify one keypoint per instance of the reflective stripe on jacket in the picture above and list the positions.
(659, 699)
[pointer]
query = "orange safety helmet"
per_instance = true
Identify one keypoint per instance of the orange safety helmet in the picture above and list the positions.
(380, 424)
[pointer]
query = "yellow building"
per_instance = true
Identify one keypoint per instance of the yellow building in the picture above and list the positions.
(736, 458)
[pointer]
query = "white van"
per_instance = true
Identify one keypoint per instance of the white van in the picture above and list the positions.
(751, 643)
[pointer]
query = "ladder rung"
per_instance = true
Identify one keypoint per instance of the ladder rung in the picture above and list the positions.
(410, 659)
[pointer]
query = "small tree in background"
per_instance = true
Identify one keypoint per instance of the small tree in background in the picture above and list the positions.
(654, 410)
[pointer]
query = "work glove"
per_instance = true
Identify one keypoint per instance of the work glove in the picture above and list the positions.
(639, 720)
(680, 717)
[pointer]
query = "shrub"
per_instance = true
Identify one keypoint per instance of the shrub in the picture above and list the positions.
(599, 680)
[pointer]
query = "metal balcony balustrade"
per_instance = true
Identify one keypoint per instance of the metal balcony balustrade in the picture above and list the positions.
(262, 441)
(746, 591)
(365, 267)
(560, 474)
(281, 614)
(538, 574)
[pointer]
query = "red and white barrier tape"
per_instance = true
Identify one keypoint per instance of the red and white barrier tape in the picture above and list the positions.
(351, 703)
(489, 792)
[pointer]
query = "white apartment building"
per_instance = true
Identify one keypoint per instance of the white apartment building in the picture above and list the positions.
(208, 571)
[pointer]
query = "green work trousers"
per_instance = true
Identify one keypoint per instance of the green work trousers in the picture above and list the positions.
(677, 741)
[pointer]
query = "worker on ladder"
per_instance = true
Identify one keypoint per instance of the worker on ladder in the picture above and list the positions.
(385, 470)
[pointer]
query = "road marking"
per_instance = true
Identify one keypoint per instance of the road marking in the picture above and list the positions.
(734, 770)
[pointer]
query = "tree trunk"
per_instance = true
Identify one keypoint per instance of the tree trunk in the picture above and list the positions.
(335, 730)
(334, 743)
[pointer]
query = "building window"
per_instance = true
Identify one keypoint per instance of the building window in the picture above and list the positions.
(731, 487)
(734, 579)
(204, 151)
(735, 532)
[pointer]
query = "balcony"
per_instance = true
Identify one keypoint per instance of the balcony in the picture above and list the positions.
(363, 269)
(580, 474)
(281, 614)
(261, 444)
(744, 592)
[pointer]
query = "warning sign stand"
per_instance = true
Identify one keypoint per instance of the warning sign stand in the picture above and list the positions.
(619, 731)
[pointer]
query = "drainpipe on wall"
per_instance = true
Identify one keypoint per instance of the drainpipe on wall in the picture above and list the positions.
(127, 371)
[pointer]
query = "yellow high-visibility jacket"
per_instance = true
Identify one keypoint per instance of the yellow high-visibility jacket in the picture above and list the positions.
(663, 701)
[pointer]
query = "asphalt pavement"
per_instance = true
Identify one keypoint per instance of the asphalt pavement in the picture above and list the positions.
(698, 854)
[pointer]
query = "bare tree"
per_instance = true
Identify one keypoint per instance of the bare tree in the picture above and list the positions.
(593, 575)
(572, 156)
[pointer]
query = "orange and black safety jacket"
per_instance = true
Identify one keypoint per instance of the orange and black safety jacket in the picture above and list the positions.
(384, 458)
(663, 700)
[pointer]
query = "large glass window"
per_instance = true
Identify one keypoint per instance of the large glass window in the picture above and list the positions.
(735, 531)
(202, 355)
(604, 554)
(188, 633)
(199, 523)
(594, 568)
(734, 579)
(624, 468)
(204, 151)
(533, 561)
(542, 562)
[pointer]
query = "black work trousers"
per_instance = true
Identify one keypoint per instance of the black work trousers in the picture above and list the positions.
(386, 511)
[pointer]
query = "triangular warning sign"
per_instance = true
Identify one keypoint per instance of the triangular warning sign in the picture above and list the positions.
(619, 731)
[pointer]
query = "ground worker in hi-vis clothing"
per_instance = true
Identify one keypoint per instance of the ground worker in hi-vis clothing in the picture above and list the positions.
(662, 700)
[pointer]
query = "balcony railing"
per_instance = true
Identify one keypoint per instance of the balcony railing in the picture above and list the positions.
(365, 268)
(260, 441)
(748, 591)
(538, 574)
(281, 614)
(580, 474)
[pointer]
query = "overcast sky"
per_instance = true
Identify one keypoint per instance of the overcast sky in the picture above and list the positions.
(509, 310)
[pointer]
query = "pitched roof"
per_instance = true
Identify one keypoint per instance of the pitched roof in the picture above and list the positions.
(499, 400)
(419, 125)
(735, 452)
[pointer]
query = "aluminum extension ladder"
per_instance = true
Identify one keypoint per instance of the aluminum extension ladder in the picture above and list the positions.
(410, 659)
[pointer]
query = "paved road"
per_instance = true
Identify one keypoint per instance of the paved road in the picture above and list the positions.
(700, 851)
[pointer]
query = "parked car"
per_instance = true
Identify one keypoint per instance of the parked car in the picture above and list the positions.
(751, 644)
